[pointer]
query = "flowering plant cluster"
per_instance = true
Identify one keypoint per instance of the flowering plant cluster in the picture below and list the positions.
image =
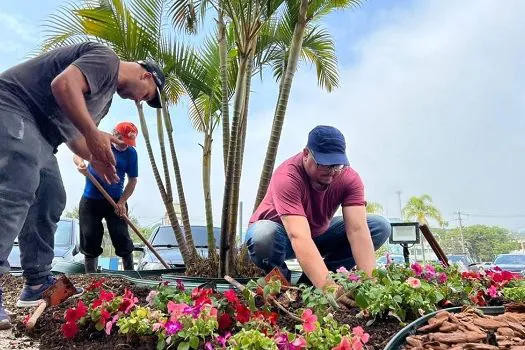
(202, 318)
(408, 292)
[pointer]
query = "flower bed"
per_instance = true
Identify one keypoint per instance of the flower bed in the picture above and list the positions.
(268, 314)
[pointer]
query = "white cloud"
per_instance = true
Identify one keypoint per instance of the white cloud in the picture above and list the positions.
(433, 104)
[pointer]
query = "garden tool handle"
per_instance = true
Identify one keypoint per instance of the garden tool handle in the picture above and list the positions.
(36, 315)
(125, 217)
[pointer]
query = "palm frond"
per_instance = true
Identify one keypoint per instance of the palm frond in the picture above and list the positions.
(318, 48)
(320, 8)
(150, 14)
(187, 15)
(64, 27)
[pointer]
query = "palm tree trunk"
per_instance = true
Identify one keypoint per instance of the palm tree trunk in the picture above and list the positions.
(225, 113)
(240, 150)
(186, 255)
(282, 103)
(206, 184)
(227, 237)
(160, 132)
(180, 189)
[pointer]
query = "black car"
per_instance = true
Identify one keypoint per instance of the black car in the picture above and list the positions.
(164, 242)
(67, 238)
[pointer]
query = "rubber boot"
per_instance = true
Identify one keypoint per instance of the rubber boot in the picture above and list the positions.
(127, 262)
(91, 264)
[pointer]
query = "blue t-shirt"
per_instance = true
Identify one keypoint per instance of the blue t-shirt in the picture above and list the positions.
(126, 164)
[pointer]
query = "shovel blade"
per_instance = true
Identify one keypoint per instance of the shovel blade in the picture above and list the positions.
(59, 292)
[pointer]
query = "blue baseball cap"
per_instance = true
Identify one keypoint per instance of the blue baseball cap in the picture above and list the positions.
(328, 145)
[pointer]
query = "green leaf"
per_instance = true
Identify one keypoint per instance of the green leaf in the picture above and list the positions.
(194, 342)
(361, 301)
(161, 344)
(183, 346)
(398, 299)
(99, 326)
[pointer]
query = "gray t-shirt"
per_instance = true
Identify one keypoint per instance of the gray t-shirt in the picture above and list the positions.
(25, 89)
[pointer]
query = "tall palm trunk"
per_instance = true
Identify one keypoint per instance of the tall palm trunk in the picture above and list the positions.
(228, 237)
(186, 255)
(160, 133)
(240, 150)
(206, 184)
(282, 103)
(180, 188)
(225, 112)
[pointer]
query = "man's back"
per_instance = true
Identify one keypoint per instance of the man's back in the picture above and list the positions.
(25, 89)
(290, 193)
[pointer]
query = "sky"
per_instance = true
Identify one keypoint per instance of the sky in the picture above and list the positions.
(431, 100)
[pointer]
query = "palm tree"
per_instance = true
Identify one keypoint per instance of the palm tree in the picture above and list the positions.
(137, 32)
(374, 208)
(302, 15)
(422, 209)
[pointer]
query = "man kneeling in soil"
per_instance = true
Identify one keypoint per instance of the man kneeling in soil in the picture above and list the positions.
(296, 217)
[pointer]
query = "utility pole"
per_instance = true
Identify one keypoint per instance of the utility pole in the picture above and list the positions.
(461, 232)
(400, 206)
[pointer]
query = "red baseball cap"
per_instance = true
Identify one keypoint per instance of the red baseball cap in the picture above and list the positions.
(128, 132)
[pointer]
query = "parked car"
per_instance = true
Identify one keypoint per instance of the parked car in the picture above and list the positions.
(67, 242)
(164, 242)
(396, 259)
(514, 263)
(464, 262)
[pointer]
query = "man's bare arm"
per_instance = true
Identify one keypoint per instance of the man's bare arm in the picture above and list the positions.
(305, 249)
(128, 190)
(359, 238)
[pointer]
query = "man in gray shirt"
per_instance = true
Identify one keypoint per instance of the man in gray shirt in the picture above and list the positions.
(57, 97)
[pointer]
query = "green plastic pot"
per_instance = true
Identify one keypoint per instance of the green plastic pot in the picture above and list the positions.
(399, 339)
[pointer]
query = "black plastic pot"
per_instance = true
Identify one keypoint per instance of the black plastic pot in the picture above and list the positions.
(399, 339)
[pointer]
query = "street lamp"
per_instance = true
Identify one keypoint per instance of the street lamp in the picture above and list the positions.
(404, 233)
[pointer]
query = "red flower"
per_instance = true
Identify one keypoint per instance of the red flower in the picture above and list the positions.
(243, 313)
(96, 284)
(69, 329)
(231, 296)
(270, 317)
(75, 314)
(225, 322)
(201, 292)
(106, 296)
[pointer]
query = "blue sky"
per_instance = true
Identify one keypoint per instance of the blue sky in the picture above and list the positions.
(431, 101)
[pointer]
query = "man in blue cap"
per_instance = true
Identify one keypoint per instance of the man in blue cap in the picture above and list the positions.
(296, 217)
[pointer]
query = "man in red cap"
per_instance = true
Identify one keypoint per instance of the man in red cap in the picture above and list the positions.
(94, 207)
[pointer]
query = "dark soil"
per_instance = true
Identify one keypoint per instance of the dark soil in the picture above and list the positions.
(48, 329)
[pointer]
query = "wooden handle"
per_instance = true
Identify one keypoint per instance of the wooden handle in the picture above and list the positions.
(125, 217)
(36, 315)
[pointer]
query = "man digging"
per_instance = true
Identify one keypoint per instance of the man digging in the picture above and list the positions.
(296, 217)
(57, 97)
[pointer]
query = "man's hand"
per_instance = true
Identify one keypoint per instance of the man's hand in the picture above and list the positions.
(99, 145)
(82, 168)
(105, 171)
(121, 209)
(337, 297)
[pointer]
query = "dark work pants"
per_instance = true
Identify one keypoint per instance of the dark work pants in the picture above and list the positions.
(91, 213)
(32, 196)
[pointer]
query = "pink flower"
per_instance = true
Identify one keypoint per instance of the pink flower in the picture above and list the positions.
(342, 270)
(344, 345)
(388, 259)
(223, 339)
(430, 272)
(417, 268)
(442, 278)
(413, 282)
(360, 334)
(353, 277)
(172, 327)
(110, 324)
(152, 294)
(176, 310)
(298, 343)
(493, 291)
(309, 320)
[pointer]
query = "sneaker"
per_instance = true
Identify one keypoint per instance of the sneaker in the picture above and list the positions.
(5, 322)
(32, 297)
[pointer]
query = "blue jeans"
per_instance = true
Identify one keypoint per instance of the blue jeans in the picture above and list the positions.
(269, 246)
(32, 196)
